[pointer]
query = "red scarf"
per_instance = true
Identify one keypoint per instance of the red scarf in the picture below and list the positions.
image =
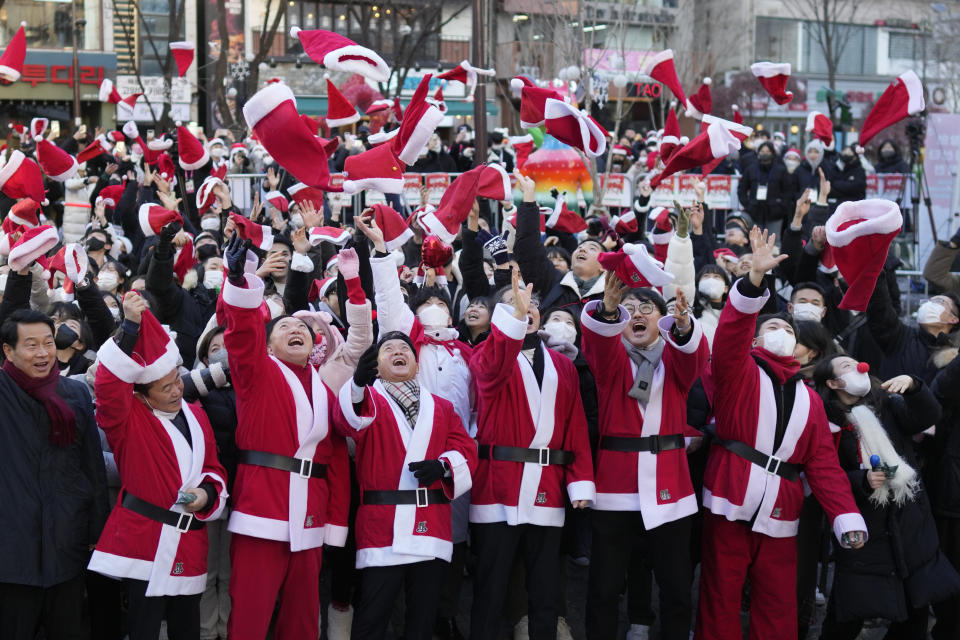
(63, 421)
(783, 367)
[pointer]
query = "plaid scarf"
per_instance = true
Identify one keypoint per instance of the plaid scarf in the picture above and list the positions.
(407, 395)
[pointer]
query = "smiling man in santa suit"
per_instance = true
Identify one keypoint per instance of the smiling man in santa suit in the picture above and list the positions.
(644, 362)
(292, 492)
(172, 481)
(534, 454)
(413, 458)
(769, 427)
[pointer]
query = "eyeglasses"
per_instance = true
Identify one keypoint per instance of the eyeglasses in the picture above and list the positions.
(646, 308)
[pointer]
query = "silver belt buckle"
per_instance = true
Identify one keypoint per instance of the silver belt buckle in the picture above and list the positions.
(775, 462)
(306, 468)
(424, 501)
(180, 526)
(544, 456)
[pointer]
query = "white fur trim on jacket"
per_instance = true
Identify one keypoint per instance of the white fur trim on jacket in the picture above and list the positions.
(742, 303)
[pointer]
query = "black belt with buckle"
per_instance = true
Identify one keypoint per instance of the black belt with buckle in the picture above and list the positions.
(421, 497)
(770, 464)
(542, 456)
(653, 444)
(183, 522)
(300, 466)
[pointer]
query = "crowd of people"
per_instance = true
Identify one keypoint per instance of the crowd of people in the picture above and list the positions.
(203, 406)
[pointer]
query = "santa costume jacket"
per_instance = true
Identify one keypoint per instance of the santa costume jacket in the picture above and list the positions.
(386, 444)
(747, 390)
(658, 485)
(275, 415)
(515, 411)
(155, 462)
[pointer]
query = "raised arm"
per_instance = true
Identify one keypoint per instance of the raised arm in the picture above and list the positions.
(602, 323)
(528, 249)
(493, 358)
(393, 314)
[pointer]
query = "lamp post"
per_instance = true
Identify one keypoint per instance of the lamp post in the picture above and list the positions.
(480, 97)
(78, 24)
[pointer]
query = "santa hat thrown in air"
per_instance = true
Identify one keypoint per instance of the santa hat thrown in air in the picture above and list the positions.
(33, 244)
(522, 148)
(438, 100)
(192, 153)
(701, 102)
(378, 169)
(859, 234)
(11, 62)
(671, 135)
(182, 55)
(205, 195)
(108, 93)
(339, 53)
(661, 69)
(25, 213)
(339, 110)
(278, 201)
(715, 143)
(635, 267)
(38, 126)
(773, 76)
(91, 151)
(272, 115)
(901, 99)
(737, 115)
(71, 261)
(301, 194)
(21, 177)
(111, 195)
(468, 75)
(333, 235)
(55, 162)
(260, 235)
(378, 106)
(533, 101)
(153, 218)
(165, 167)
(154, 356)
(160, 143)
(420, 120)
(563, 220)
(483, 181)
(574, 127)
(821, 127)
(627, 223)
(394, 227)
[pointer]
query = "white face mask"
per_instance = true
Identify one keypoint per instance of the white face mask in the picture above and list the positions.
(115, 312)
(930, 312)
(711, 288)
(791, 165)
(296, 220)
(779, 342)
(213, 279)
(107, 281)
(560, 331)
(210, 223)
(807, 311)
(857, 384)
(434, 316)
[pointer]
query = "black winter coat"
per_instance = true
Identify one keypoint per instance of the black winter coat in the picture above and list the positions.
(945, 474)
(779, 191)
(847, 183)
(901, 565)
(54, 500)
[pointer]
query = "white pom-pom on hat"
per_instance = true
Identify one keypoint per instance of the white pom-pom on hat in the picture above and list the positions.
(516, 84)
(708, 81)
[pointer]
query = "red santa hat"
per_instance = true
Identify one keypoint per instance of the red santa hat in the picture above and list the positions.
(340, 53)
(483, 181)
(219, 169)
(737, 114)
(20, 178)
(184, 260)
(533, 101)
(821, 127)
(717, 142)
(420, 120)
(25, 213)
(563, 220)
(108, 93)
(635, 267)
(378, 106)
(313, 124)
(301, 193)
(183, 55)
(860, 234)
(522, 148)
(627, 223)
(235, 148)
(192, 153)
(18, 129)
(153, 218)
(32, 244)
(773, 76)
(468, 75)
(901, 99)
(378, 169)
(92, 150)
(333, 235)
(701, 102)
(259, 234)
(71, 261)
(795, 153)
(574, 127)
(11, 62)
(319, 288)
(739, 131)
(111, 195)
(272, 115)
(165, 167)
(394, 227)
(278, 201)
(339, 109)
(154, 356)
(38, 126)
(55, 162)
(661, 69)
(671, 135)
(205, 195)
(438, 100)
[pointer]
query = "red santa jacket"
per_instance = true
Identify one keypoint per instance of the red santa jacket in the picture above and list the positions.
(514, 411)
(657, 485)
(275, 415)
(744, 403)
(386, 445)
(155, 462)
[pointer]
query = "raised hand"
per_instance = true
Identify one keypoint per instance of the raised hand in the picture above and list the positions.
(819, 237)
(803, 206)
(899, 384)
(133, 307)
(824, 186)
(527, 186)
(366, 371)
(236, 256)
(696, 218)
(301, 244)
(681, 313)
(367, 225)
(613, 290)
(348, 263)
(310, 216)
(169, 201)
(763, 247)
(521, 297)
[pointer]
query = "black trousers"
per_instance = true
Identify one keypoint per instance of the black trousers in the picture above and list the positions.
(497, 545)
(57, 609)
(809, 544)
(948, 611)
(379, 589)
(913, 628)
(145, 614)
(669, 549)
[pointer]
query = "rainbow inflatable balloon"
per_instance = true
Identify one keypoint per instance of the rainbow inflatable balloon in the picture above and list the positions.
(557, 165)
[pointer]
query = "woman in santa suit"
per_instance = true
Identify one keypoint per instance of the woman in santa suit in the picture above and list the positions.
(172, 481)
(534, 454)
(413, 458)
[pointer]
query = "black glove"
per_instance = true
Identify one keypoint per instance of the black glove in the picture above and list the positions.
(170, 231)
(236, 256)
(427, 471)
(366, 371)
(495, 245)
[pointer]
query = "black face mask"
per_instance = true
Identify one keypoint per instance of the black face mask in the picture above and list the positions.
(765, 159)
(848, 160)
(95, 244)
(65, 337)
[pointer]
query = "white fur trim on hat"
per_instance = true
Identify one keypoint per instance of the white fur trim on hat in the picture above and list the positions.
(383, 185)
(130, 130)
(380, 136)
(722, 142)
(11, 167)
(728, 124)
(877, 216)
(160, 144)
(663, 56)
(129, 370)
(589, 130)
(144, 217)
(23, 254)
(339, 122)
(770, 69)
(507, 189)
(9, 73)
(265, 101)
(378, 72)
(420, 136)
(183, 45)
(647, 265)
(520, 139)
(106, 88)
(915, 103)
(74, 254)
(69, 173)
(430, 222)
(193, 166)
